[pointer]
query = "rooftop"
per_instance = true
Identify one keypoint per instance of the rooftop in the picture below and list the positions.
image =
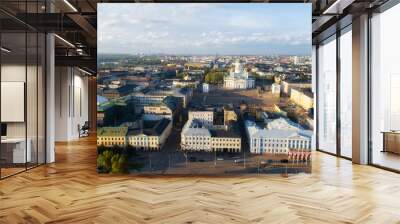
(256, 130)
(106, 105)
(306, 91)
(296, 81)
(112, 131)
(232, 132)
(127, 89)
(151, 128)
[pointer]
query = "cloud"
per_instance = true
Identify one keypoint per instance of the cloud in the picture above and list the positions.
(199, 28)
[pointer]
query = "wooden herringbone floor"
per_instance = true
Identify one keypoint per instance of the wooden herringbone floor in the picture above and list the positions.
(70, 191)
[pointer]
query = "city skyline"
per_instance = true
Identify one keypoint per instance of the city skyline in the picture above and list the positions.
(205, 29)
(202, 55)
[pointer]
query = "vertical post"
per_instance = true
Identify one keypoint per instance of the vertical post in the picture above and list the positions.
(244, 159)
(338, 99)
(316, 107)
(50, 98)
(215, 157)
(360, 89)
(0, 94)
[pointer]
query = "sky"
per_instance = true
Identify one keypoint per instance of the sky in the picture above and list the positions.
(204, 29)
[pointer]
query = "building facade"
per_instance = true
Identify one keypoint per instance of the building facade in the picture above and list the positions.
(195, 136)
(112, 136)
(206, 117)
(225, 141)
(262, 140)
(206, 87)
(276, 89)
(229, 116)
(287, 85)
(151, 136)
(302, 97)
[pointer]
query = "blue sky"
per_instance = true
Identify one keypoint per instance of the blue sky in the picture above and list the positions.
(224, 29)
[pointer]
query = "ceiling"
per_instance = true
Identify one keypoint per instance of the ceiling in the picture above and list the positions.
(75, 21)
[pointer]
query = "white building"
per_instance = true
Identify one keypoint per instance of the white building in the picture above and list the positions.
(205, 117)
(262, 140)
(287, 85)
(295, 60)
(195, 136)
(276, 89)
(238, 78)
(286, 124)
(185, 83)
(206, 87)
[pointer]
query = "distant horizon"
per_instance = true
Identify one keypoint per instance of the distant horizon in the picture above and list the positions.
(182, 29)
(211, 55)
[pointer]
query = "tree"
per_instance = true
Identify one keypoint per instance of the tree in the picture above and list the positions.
(118, 164)
(215, 77)
(181, 75)
(104, 160)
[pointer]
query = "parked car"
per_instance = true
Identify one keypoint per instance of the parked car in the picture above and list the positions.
(284, 161)
(220, 159)
(238, 161)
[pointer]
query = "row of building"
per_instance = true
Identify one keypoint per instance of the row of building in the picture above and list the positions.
(200, 133)
(299, 92)
(142, 134)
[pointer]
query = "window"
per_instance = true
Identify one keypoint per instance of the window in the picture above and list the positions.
(22, 75)
(327, 95)
(346, 93)
(385, 88)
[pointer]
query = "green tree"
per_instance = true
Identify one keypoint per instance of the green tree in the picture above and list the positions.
(118, 163)
(181, 75)
(104, 160)
(215, 77)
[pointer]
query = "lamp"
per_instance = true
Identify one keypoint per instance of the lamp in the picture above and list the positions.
(70, 5)
(5, 50)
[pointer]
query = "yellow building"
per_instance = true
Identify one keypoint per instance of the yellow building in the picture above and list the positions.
(112, 136)
(229, 115)
(226, 143)
(157, 109)
(302, 97)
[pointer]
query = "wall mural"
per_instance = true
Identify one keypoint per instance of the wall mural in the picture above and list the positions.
(204, 89)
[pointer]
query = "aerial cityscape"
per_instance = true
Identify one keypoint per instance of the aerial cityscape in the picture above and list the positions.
(182, 111)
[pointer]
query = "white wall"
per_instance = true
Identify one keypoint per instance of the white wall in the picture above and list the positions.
(71, 102)
(12, 73)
